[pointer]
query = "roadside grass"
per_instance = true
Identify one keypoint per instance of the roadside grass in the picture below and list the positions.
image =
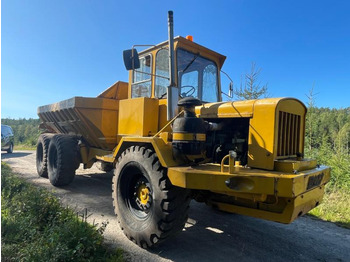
(35, 227)
(335, 207)
(24, 147)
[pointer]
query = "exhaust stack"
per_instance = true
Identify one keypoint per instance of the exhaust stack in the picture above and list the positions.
(172, 96)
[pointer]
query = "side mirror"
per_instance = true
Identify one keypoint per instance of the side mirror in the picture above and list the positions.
(131, 59)
(230, 90)
(230, 87)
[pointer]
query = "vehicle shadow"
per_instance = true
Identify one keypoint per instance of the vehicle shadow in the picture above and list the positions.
(211, 235)
(96, 186)
(215, 236)
(14, 154)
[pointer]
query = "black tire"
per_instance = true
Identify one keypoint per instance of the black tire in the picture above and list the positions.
(62, 159)
(10, 150)
(148, 207)
(41, 154)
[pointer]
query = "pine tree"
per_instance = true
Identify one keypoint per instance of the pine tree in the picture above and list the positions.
(251, 88)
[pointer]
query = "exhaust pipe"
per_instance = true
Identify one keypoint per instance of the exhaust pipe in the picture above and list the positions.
(172, 92)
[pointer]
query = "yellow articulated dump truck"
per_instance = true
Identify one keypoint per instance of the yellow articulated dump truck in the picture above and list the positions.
(170, 138)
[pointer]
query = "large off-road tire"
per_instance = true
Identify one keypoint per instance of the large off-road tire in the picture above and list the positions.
(148, 207)
(62, 159)
(42, 148)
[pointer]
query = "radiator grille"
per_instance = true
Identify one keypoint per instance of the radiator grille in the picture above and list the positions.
(288, 134)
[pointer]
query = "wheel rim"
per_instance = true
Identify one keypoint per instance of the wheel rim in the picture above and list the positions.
(136, 190)
(142, 195)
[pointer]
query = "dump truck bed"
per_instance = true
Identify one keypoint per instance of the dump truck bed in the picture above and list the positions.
(94, 119)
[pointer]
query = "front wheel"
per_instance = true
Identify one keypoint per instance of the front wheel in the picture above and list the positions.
(148, 207)
(10, 150)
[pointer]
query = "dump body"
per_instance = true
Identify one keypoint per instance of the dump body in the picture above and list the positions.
(93, 119)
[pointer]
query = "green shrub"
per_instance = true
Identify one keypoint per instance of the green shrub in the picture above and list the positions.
(335, 208)
(36, 228)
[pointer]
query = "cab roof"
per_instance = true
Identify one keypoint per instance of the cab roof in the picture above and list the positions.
(182, 42)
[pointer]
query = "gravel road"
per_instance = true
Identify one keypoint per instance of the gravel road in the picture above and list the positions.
(208, 236)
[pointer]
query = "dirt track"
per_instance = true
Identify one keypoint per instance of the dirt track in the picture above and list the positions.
(208, 235)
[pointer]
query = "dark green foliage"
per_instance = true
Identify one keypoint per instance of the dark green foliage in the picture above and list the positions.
(328, 140)
(34, 227)
(26, 131)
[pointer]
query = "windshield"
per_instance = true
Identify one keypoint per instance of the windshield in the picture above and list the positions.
(197, 76)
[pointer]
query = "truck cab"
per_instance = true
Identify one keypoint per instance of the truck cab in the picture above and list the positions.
(197, 71)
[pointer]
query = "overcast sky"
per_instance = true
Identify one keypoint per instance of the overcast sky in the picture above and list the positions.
(54, 50)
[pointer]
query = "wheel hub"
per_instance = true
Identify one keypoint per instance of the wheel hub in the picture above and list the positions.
(142, 195)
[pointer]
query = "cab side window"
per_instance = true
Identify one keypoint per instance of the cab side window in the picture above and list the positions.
(141, 82)
(210, 80)
(162, 72)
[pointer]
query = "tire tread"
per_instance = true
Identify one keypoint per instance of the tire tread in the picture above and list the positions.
(66, 160)
(174, 203)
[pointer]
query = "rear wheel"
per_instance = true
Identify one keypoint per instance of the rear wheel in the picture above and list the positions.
(41, 154)
(62, 159)
(148, 207)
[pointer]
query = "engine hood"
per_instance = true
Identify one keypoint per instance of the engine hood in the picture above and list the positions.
(237, 108)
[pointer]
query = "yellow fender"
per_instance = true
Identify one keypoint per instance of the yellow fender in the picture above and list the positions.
(162, 149)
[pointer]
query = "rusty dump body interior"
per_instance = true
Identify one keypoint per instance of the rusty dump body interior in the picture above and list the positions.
(266, 177)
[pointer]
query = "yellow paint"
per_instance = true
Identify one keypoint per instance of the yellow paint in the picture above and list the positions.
(263, 130)
(289, 210)
(226, 109)
(252, 186)
(291, 165)
(138, 117)
(94, 118)
(143, 194)
(163, 150)
(189, 137)
(118, 91)
(245, 180)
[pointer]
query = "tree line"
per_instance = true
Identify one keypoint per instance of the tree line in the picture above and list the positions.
(328, 140)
